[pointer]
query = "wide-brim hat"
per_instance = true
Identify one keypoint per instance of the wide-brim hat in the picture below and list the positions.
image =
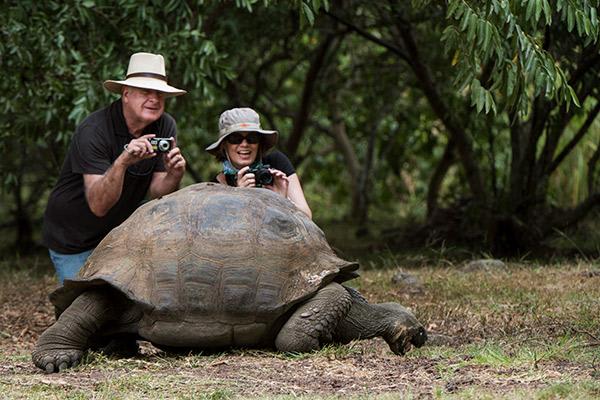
(242, 120)
(145, 71)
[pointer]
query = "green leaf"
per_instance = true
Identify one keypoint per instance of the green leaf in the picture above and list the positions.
(308, 13)
(530, 9)
(573, 96)
(570, 19)
(579, 21)
(466, 19)
(453, 7)
(547, 12)
(487, 35)
(472, 28)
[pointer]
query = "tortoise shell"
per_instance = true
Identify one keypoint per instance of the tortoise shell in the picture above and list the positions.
(212, 265)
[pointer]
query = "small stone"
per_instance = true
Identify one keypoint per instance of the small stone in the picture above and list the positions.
(484, 265)
(305, 314)
(439, 339)
(408, 281)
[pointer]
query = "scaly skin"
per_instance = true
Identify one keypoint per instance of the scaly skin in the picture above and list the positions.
(313, 323)
(62, 345)
(341, 314)
(394, 323)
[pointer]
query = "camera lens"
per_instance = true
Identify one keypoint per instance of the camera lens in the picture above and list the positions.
(264, 177)
(164, 145)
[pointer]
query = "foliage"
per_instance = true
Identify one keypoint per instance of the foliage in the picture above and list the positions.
(508, 39)
(450, 111)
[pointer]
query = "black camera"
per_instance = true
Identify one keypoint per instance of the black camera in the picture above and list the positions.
(162, 145)
(262, 175)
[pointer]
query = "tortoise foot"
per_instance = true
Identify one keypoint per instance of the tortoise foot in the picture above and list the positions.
(57, 360)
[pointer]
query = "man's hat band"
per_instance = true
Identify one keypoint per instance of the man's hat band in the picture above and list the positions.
(147, 75)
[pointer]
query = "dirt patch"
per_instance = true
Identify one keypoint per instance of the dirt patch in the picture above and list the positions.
(25, 312)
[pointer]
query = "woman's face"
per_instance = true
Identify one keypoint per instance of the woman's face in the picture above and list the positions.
(242, 148)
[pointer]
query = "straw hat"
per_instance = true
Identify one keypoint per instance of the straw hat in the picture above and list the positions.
(242, 120)
(145, 71)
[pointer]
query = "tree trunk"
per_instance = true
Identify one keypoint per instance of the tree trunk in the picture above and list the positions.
(24, 237)
(437, 178)
(311, 80)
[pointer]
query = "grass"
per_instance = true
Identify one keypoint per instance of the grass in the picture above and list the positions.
(528, 331)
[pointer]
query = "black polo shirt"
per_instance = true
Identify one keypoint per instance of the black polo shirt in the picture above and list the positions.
(69, 225)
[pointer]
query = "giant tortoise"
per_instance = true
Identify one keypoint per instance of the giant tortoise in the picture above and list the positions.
(214, 267)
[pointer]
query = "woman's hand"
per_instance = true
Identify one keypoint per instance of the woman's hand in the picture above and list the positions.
(280, 182)
(245, 178)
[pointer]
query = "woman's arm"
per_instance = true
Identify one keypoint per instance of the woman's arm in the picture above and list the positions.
(296, 195)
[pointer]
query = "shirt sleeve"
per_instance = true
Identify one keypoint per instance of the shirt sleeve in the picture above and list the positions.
(90, 151)
(276, 159)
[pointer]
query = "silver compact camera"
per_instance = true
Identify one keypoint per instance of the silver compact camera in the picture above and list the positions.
(162, 145)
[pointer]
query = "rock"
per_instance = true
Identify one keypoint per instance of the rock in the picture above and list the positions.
(590, 273)
(408, 281)
(484, 265)
(439, 339)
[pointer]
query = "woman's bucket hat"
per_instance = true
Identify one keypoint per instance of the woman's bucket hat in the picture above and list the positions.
(242, 120)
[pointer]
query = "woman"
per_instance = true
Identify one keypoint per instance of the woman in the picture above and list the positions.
(242, 148)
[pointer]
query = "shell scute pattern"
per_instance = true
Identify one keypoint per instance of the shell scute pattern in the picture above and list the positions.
(226, 256)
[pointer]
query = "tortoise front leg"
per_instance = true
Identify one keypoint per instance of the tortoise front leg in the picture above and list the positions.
(315, 320)
(62, 345)
(394, 323)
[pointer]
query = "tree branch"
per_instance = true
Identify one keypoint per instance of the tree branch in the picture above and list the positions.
(592, 163)
(575, 140)
(583, 68)
(435, 183)
(369, 37)
(461, 139)
(301, 117)
(571, 217)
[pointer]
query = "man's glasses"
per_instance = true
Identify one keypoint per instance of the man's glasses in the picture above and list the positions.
(237, 138)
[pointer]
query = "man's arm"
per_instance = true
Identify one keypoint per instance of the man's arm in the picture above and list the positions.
(167, 182)
(102, 192)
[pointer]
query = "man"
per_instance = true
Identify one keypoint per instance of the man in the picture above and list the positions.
(111, 165)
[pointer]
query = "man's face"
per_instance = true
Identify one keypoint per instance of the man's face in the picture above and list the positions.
(144, 105)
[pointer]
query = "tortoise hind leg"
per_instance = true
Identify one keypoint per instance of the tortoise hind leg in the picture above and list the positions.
(62, 345)
(314, 321)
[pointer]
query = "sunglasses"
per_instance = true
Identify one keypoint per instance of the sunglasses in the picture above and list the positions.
(237, 138)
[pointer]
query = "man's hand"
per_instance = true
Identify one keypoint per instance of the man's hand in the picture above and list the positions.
(138, 149)
(167, 182)
(174, 162)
